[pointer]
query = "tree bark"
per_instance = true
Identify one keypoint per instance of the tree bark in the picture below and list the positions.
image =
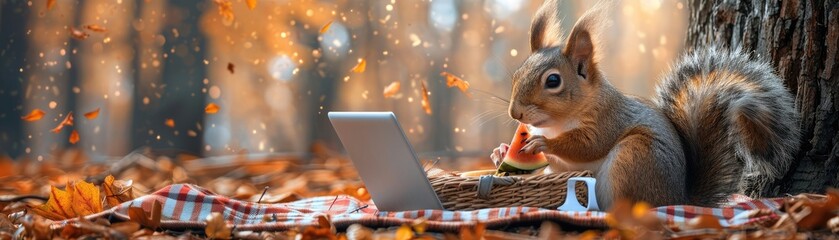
(801, 39)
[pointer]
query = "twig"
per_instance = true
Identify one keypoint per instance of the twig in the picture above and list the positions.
(333, 203)
(359, 209)
(265, 190)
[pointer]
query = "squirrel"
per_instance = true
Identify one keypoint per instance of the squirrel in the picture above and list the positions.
(718, 118)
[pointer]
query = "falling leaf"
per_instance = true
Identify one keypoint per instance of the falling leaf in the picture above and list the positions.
(225, 9)
(170, 122)
(92, 114)
(455, 81)
(95, 28)
(78, 34)
(117, 191)
(149, 220)
(425, 104)
(216, 226)
(85, 196)
(392, 89)
(251, 4)
(231, 67)
(35, 115)
(74, 137)
(68, 121)
(50, 4)
(359, 68)
(325, 27)
(211, 108)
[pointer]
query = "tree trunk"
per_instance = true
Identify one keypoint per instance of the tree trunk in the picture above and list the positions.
(801, 40)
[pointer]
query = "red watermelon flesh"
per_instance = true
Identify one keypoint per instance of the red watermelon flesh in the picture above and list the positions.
(520, 160)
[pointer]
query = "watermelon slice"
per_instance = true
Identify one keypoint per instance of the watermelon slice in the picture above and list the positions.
(521, 163)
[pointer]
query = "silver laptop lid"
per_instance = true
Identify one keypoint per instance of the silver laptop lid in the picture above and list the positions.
(385, 160)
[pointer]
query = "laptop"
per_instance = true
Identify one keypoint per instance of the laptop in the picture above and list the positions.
(385, 160)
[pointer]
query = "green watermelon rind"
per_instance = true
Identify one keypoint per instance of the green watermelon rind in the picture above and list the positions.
(519, 166)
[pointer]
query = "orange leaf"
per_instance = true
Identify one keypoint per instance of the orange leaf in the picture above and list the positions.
(170, 122)
(74, 137)
(359, 68)
(455, 81)
(251, 4)
(50, 4)
(85, 197)
(211, 108)
(68, 121)
(404, 233)
(425, 103)
(392, 89)
(117, 191)
(95, 28)
(58, 206)
(216, 226)
(92, 114)
(325, 27)
(146, 219)
(35, 115)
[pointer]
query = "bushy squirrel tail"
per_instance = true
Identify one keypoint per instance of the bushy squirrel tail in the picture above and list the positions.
(736, 121)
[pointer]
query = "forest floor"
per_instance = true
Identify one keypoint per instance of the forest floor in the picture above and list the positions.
(31, 199)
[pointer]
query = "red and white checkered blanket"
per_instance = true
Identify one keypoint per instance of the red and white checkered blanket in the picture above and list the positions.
(186, 206)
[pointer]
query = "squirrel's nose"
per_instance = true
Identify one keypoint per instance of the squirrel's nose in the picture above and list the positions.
(516, 115)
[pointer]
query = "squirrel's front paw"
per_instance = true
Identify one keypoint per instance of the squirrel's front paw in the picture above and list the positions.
(498, 154)
(535, 144)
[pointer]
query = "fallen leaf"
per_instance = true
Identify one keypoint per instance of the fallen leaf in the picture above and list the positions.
(231, 67)
(419, 225)
(475, 232)
(392, 89)
(455, 81)
(92, 114)
(211, 108)
(404, 233)
(323, 229)
(359, 68)
(74, 137)
(216, 226)
(251, 4)
(325, 27)
(78, 34)
(50, 4)
(35, 115)
(117, 191)
(127, 227)
(85, 197)
(169, 122)
(68, 121)
(95, 28)
(425, 104)
(149, 220)
(58, 206)
(225, 9)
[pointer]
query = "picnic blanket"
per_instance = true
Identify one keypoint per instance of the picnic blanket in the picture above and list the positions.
(186, 206)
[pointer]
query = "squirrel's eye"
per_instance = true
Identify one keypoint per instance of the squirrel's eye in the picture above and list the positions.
(553, 81)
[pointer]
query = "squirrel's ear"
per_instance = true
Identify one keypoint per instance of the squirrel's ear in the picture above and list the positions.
(544, 30)
(582, 43)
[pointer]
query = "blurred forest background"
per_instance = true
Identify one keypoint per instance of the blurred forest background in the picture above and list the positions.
(152, 66)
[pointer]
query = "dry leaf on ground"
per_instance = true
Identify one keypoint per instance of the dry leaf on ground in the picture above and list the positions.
(216, 226)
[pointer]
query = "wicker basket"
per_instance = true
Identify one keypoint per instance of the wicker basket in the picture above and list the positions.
(538, 190)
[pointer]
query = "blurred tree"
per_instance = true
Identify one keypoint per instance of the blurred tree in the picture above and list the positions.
(13, 47)
(801, 39)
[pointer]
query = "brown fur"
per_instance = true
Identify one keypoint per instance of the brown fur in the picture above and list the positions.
(710, 120)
